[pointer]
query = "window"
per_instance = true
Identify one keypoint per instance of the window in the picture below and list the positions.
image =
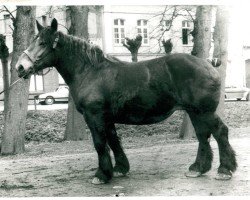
(142, 29)
(119, 31)
(7, 24)
(186, 29)
(36, 83)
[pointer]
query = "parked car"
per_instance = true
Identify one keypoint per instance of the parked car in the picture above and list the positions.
(238, 93)
(60, 94)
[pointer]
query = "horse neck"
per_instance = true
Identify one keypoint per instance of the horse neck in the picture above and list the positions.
(70, 60)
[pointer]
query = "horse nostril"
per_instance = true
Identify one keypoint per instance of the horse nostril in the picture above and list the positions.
(20, 68)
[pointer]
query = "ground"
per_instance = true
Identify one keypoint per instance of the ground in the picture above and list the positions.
(158, 165)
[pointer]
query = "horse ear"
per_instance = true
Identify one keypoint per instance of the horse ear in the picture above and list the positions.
(54, 24)
(39, 26)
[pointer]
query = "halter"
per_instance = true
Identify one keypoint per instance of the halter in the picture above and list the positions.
(27, 53)
(56, 41)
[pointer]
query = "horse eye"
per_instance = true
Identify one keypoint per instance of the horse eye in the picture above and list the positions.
(42, 43)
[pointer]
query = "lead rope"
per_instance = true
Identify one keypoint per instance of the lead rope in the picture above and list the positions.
(20, 79)
(12, 84)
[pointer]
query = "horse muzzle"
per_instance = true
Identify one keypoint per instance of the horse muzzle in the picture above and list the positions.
(20, 70)
(22, 73)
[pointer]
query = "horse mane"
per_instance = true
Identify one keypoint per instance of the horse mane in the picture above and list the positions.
(91, 54)
(114, 59)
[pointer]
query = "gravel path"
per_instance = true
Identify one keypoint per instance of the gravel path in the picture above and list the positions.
(66, 169)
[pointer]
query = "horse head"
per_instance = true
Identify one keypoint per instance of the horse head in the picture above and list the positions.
(41, 53)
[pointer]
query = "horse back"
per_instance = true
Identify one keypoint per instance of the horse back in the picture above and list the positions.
(185, 79)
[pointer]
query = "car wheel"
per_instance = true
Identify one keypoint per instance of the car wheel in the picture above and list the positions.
(238, 99)
(247, 98)
(49, 100)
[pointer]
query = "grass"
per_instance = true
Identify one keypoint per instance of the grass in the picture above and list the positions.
(49, 126)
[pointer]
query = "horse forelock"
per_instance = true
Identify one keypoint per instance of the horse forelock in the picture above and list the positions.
(46, 36)
(91, 54)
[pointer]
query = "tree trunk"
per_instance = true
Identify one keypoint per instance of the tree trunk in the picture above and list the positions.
(133, 46)
(134, 56)
(202, 45)
(4, 54)
(14, 129)
(202, 32)
(187, 129)
(5, 83)
(76, 126)
(220, 37)
(99, 26)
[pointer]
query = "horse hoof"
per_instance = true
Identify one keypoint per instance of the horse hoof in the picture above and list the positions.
(223, 177)
(192, 174)
(119, 174)
(97, 181)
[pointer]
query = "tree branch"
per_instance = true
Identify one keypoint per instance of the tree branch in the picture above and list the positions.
(190, 15)
(8, 11)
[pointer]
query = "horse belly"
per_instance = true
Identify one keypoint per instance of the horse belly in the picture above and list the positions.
(138, 113)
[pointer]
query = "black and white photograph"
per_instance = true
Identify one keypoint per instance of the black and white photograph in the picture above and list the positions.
(124, 98)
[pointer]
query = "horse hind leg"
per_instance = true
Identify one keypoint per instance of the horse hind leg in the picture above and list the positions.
(228, 163)
(204, 156)
(121, 167)
(205, 124)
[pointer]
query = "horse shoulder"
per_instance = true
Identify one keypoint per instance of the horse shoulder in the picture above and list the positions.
(87, 92)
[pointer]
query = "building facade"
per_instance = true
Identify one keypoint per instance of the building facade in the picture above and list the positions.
(150, 22)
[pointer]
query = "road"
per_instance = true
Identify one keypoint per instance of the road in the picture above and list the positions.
(55, 106)
(66, 169)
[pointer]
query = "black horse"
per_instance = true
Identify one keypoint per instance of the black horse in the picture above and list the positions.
(108, 91)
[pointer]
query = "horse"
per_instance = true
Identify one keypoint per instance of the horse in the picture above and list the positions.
(107, 91)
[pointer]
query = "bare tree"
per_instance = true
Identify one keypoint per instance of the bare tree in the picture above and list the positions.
(14, 128)
(169, 14)
(166, 20)
(133, 46)
(76, 126)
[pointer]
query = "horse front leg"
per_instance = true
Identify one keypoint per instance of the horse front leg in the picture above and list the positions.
(121, 167)
(97, 126)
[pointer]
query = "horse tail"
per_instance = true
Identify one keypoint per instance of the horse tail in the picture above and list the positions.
(216, 62)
